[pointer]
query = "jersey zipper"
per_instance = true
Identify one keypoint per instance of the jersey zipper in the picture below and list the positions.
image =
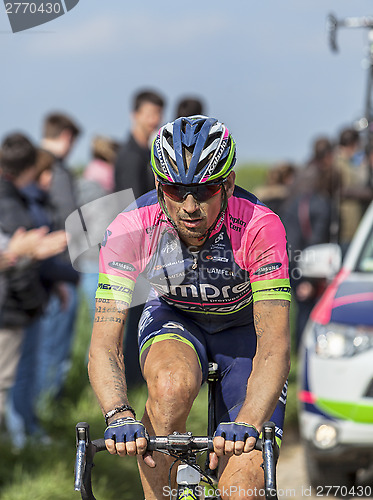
(195, 262)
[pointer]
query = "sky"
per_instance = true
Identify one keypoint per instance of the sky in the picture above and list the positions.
(263, 68)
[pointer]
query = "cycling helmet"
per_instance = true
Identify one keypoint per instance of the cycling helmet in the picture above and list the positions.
(193, 150)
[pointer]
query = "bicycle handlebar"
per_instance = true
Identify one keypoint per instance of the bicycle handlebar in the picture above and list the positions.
(176, 443)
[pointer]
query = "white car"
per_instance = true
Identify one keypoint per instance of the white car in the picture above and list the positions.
(335, 377)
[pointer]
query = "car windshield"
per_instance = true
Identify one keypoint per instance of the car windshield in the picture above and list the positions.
(365, 262)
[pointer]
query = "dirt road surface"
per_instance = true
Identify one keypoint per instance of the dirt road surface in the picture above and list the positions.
(292, 481)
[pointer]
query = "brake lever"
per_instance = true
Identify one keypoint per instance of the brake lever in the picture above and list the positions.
(82, 441)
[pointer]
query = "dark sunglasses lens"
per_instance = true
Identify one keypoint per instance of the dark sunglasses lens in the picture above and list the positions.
(199, 193)
(207, 192)
(176, 193)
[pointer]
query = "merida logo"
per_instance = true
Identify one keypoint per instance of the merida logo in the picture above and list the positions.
(26, 15)
(116, 288)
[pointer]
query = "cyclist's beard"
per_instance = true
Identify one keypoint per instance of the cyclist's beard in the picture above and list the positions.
(193, 227)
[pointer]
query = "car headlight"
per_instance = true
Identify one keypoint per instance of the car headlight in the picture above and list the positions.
(325, 436)
(337, 340)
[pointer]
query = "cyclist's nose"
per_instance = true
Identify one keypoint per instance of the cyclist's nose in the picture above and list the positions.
(190, 205)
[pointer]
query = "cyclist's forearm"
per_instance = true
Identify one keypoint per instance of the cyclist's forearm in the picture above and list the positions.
(271, 363)
(106, 362)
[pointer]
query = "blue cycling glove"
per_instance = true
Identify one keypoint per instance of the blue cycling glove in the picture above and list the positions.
(236, 431)
(124, 430)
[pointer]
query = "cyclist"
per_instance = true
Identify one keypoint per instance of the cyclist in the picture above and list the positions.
(216, 259)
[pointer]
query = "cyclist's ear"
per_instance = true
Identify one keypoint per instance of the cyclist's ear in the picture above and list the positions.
(229, 184)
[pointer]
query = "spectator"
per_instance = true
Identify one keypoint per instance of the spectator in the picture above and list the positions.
(276, 191)
(59, 135)
(98, 177)
(132, 167)
(189, 106)
(24, 295)
(23, 421)
(323, 175)
(354, 185)
(307, 219)
(132, 171)
(97, 181)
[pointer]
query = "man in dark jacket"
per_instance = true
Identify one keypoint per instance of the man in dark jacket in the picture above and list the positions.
(132, 171)
(60, 133)
(132, 167)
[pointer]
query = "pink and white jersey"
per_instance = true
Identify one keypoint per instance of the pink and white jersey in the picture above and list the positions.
(244, 260)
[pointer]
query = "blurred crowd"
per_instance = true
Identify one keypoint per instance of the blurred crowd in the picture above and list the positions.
(319, 202)
(41, 291)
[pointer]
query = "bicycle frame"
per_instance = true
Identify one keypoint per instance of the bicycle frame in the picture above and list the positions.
(183, 447)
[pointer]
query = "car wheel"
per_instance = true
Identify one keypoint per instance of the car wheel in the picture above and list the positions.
(326, 478)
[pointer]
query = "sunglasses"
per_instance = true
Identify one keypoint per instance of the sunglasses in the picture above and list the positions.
(200, 192)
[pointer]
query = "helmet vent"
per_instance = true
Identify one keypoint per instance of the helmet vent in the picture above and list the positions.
(168, 138)
(187, 156)
(211, 138)
(171, 162)
(201, 165)
(198, 127)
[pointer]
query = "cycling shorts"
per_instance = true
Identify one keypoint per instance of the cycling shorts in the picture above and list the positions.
(232, 349)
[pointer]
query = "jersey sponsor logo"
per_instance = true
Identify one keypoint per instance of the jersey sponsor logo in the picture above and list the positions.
(284, 393)
(123, 266)
(268, 268)
(220, 221)
(168, 264)
(216, 270)
(169, 247)
(145, 320)
(226, 309)
(280, 289)
(218, 242)
(115, 288)
(236, 223)
(219, 238)
(285, 289)
(279, 432)
(149, 230)
(172, 276)
(216, 258)
(172, 324)
(206, 291)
